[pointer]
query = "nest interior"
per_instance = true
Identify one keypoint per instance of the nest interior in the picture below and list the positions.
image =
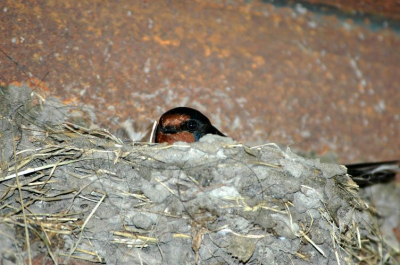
(72, 193)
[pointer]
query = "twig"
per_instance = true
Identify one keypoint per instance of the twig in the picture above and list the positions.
(28, 245)
(31, 170)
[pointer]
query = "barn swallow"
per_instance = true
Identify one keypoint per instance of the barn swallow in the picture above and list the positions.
(185, 125)
(189, 125)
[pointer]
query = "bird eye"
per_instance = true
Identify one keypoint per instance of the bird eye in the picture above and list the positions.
(191, 125)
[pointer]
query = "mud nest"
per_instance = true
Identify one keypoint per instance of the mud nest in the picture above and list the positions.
(74, 194)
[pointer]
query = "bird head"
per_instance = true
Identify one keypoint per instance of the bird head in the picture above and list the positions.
(185, 125)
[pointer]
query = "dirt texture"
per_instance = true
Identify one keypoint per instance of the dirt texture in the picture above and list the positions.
(89, 197)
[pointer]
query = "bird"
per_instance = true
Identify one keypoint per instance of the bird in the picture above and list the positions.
(366, 174)
(183, 124)
(189, 125)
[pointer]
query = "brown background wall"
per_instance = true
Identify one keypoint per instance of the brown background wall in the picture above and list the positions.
(261, 73)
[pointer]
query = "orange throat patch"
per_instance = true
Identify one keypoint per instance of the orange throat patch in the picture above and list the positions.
(176, 137)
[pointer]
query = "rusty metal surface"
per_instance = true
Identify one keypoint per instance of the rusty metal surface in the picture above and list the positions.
(259, 72)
